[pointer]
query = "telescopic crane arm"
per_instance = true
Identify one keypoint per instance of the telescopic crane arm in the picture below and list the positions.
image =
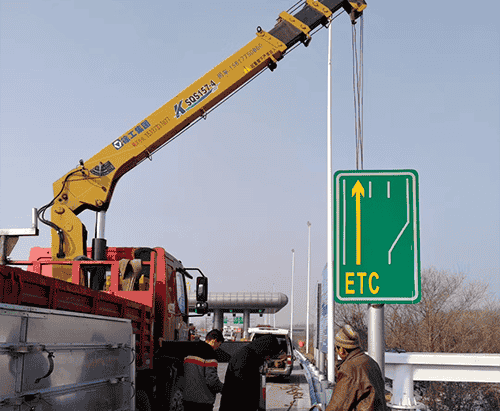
(91, 185)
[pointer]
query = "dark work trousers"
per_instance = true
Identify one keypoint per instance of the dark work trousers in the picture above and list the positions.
(197, 406)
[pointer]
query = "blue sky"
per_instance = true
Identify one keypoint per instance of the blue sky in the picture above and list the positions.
(234, 193)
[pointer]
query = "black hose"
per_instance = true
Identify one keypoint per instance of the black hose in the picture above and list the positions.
(41, 214)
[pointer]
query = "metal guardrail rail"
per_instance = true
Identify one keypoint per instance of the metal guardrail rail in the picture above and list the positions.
(405, 368)
(312, 386)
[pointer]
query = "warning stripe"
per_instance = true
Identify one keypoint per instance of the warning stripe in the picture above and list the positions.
(200, 361)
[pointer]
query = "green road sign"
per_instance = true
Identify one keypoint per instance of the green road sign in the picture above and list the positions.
(376, 237)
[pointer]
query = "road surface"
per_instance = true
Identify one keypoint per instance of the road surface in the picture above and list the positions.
(291, 395)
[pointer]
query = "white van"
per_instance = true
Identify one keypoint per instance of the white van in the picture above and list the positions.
(279, 367)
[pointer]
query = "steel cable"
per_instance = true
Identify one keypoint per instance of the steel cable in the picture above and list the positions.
(357, 82)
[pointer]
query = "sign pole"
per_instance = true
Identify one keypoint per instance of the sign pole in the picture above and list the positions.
(376, 335)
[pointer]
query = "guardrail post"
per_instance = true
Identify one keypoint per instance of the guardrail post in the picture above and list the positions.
(402, 389)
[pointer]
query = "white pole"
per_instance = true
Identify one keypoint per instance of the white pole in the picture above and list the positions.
(376, 335)
(291, 298)
(308, 281)
(331, 308)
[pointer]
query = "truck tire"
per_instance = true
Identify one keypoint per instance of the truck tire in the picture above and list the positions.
(176, 400)
(142, 401)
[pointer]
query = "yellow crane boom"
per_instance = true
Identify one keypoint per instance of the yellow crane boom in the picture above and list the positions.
(91, 185)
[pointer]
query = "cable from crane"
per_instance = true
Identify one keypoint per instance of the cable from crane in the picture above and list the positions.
(357, 81)
(296, 6)
(41, 211)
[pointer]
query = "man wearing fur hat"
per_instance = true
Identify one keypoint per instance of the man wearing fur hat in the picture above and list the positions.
(360, 385)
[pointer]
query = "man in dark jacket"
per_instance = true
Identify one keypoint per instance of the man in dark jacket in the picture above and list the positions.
(360, 384)
(200, 373)
(242, 381)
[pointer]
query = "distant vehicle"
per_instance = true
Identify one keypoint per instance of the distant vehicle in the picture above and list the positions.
(228, 336)
(282, 365)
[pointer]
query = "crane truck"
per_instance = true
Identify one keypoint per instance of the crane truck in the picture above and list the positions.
(146, 286)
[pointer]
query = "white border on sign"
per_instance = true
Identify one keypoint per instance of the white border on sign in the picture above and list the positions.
(337, 244)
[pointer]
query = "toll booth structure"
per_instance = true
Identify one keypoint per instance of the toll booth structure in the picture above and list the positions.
(245, 303)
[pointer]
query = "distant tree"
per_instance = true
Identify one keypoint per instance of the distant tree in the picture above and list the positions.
(452, 316)
(355, 315)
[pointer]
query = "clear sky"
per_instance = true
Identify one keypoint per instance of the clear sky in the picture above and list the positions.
(234, 193)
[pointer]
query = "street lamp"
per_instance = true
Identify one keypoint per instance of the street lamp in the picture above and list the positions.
(308, 281)
(291, 298)
(329, 190)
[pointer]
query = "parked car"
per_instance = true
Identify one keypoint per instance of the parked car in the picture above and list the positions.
(228, 334)
(282, 365)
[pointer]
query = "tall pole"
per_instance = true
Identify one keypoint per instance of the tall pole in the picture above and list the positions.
(308, 281)
(291, 298)
(331, 308)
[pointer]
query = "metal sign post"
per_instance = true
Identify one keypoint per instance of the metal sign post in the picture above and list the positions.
(376, 335)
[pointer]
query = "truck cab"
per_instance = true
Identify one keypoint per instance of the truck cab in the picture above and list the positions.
(147, 276)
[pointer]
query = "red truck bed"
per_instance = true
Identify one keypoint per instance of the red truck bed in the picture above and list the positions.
(22, 287)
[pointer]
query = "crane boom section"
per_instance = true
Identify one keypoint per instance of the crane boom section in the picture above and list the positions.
(91, 185)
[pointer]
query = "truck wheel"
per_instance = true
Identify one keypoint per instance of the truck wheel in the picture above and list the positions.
(177, 400)
(142, 401)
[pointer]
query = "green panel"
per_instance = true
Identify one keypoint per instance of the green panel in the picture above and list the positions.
(376, 237)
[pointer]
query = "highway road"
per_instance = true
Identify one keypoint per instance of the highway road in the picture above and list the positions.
(291, 395)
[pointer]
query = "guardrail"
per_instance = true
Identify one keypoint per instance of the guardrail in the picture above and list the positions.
(308, 369)
(405, 368)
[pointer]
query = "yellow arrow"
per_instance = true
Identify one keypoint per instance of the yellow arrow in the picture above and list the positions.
(358, 190)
